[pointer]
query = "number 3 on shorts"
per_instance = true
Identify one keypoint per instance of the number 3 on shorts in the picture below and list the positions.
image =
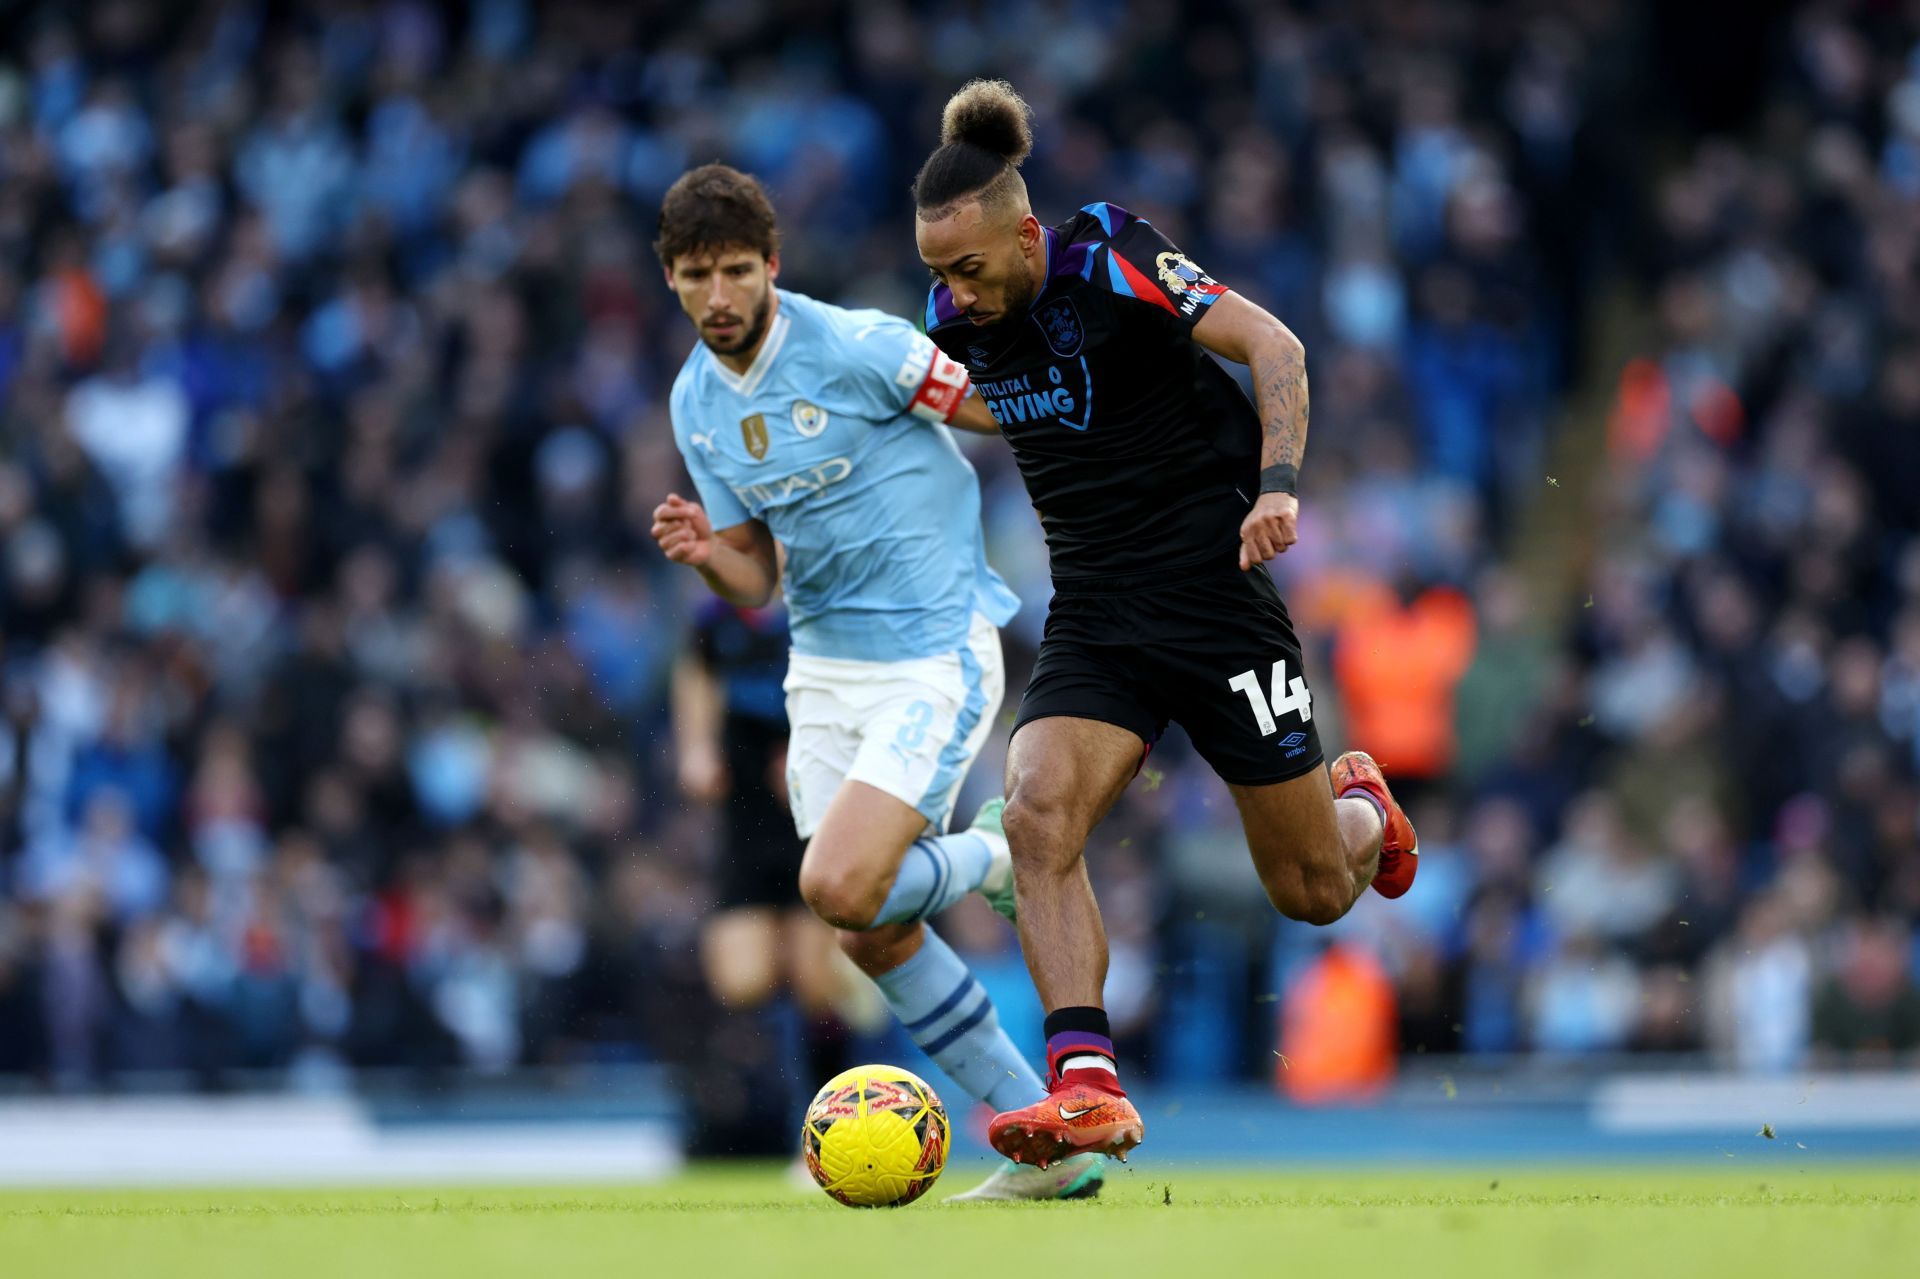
(1287, 697)
(913, 732)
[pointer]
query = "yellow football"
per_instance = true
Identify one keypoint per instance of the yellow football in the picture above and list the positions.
(875, 1137)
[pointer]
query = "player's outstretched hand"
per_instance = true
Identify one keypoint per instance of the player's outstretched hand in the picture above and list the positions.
(1269, 529)
(683, 532)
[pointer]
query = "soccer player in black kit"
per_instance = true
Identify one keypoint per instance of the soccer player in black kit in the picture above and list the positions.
(1163, 492)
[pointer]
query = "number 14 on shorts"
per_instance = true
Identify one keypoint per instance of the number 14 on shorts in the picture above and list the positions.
(1287, 698)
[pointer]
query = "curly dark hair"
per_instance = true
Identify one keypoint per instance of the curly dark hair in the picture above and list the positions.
(986, 131)
(716, 207)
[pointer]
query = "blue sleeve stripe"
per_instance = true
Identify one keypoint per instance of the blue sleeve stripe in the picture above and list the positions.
(1104, 212)
(1117, 280)
(932, 319)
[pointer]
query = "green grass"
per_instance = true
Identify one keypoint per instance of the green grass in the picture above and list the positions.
(716, 1223)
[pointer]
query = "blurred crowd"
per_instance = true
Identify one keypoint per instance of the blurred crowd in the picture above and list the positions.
(1702, 831)
(335, 656)
(1749, 646)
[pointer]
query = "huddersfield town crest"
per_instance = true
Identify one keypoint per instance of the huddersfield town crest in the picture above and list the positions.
(1060, 322)
(808, 419)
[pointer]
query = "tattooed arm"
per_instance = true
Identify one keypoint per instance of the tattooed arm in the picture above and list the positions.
(1235, 329)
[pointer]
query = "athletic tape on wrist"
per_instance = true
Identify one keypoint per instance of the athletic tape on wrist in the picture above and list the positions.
(1281, 477)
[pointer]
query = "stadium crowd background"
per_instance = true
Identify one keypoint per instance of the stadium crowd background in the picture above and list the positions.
(333, 363)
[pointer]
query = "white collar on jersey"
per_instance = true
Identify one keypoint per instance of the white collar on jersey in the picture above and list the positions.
(749, 382)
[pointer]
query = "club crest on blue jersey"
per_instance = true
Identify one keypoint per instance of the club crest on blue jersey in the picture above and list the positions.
(808, 419)
(753, 433)
(1060, 322)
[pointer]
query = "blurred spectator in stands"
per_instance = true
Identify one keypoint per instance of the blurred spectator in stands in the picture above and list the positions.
(1337, 1029)
(1758, 990)
(1598, 880)
(1397, 669)
(1511, 664)
(105, 860)
(1867, 1012)
(1583, 999)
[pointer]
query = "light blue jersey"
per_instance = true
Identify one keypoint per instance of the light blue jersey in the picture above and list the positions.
(835, 439)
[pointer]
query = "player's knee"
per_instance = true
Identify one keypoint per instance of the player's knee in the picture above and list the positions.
(863, 947)
(843, 897)
(1324, 906)
(859, 946)
(879, 950)
(1310, 898)
(1041, 831)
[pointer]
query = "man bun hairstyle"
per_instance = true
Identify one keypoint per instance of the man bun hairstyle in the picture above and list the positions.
(986, 131)
(716, 207)
(988, 114)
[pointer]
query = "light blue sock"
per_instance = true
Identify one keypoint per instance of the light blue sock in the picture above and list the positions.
(948, 1013)
(936, 872)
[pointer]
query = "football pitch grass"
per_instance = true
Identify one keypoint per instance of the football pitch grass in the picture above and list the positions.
(711, 1223)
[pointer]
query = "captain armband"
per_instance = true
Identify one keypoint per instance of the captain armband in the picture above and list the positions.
(941, 391)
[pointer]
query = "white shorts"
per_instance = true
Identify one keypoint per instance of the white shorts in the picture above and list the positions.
(909, 728)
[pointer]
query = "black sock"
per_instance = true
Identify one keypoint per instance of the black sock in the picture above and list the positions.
(1078, 1032)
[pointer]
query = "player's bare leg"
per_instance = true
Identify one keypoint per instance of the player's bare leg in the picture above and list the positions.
(1316, 853)
(740, 954)
(816, 976)
(824, 992)
(1063, 775)
(855, 853)
(872, 871)
(749, 954)
(883, 949)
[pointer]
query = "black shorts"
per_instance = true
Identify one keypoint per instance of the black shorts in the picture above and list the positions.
(759, 851)
(1202, 649)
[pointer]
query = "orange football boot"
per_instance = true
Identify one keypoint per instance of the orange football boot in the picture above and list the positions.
(1076, 1116)
(1399, 849)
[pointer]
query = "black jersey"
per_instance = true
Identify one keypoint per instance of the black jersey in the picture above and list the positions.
(1139, 451)
(746, 650)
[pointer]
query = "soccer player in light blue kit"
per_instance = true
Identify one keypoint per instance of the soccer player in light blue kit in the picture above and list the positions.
(817, 439)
